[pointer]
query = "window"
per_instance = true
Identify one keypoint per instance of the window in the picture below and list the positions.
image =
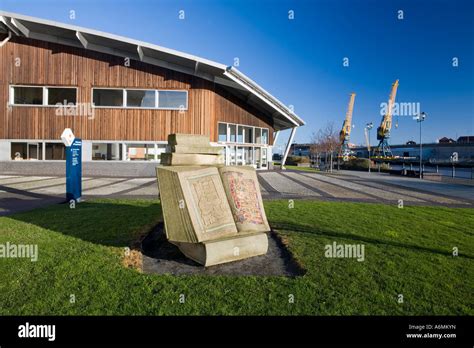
(26, 151)
(40, 95)
(107, 97)
(141, 98)
(258, 135)
(240, 134)
(61, 95)
(19, 151)
(239, 156)
(248, 135)
(55, 151)
(106, 151)
(141, 152)
(222, 132)
(173, 100)
(233, 133)
(258, 153)
(244, 154)
(264, 136)
(28, 95)
(232, 160)
(264, 158)
(136, 98)
(248, 156)
(34, 151)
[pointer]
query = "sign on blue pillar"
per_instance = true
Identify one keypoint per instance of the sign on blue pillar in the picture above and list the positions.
(74, 170)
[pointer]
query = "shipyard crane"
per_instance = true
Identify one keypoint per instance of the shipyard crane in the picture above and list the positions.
(383, 131)
(345, 133)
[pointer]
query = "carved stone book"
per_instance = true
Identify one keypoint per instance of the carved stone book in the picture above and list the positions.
(194, 204)
(214, 252)
(244, 197)
(213, 213)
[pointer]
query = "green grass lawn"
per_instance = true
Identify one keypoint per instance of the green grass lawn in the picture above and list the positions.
(407, 251)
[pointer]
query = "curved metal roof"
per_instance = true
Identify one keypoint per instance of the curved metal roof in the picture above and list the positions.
(230, 77)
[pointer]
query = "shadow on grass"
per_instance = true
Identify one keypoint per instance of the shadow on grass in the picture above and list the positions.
(120, 223)
(329, 233)
(20, 200)
(115, 223)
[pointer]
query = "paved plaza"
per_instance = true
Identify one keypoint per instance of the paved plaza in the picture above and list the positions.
(18, 193)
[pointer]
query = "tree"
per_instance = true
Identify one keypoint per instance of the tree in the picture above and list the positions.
(316, 148)
(326, 141)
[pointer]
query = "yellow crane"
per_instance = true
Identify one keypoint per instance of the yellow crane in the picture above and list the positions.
(345, 133)
(383, 131)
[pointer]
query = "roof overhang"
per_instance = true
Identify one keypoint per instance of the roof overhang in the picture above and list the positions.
(70, 35)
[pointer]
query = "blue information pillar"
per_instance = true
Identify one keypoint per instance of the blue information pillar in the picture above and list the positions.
(74, 170)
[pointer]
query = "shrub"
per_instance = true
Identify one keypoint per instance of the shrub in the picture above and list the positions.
(363, 164)
(356, 164)
(294, 160)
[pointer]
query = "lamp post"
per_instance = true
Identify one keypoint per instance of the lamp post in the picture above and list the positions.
(420, 118)
(368, 127)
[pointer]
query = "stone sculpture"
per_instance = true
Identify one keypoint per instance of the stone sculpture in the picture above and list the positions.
(213, 213)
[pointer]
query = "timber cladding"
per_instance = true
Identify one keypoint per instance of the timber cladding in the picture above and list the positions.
(32, 62)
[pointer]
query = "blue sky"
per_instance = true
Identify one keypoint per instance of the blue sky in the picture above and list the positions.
(300, 61)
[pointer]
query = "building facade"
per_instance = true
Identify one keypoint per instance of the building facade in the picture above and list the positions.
(301, 150)
(123, 97)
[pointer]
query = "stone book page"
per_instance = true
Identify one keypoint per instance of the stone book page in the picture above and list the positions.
(194, 204)
(178, 224)
(207, 203)
(245, 200)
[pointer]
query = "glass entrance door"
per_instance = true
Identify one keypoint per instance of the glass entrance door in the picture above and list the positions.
(240, 156)
(258, 159)
(264, 158)
(230, 155)
(246, 155)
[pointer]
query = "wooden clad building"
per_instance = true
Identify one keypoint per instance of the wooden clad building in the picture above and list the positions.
(123, 97)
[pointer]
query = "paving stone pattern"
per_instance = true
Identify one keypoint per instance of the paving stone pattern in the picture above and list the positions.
(19, 193)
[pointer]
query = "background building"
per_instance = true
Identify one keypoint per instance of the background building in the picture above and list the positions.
(436, 153)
